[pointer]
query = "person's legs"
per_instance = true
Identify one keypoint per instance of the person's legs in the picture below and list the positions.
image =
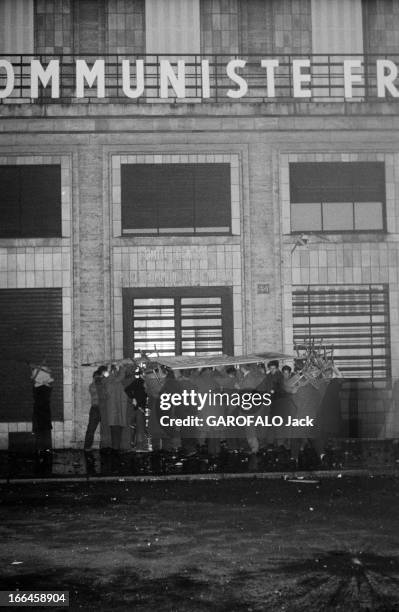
(43, 448)
(116, 433)
(141, 438)
(94, 420)
(296, 445)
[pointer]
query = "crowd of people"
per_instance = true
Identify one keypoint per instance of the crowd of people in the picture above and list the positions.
(125, 402)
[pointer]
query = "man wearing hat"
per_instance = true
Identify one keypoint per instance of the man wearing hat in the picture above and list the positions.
(273, 381)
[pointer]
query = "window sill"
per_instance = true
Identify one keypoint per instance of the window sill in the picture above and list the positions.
(337, 232)
(338, 237)
(34, 242)
(175, 240)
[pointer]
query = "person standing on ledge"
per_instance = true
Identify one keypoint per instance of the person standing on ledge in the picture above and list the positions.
(41, 417)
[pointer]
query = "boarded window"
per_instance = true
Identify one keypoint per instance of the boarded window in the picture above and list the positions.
(176, 198)
(185, 321)
(330, 196)
(30, 201)
(30, 330)
(353, 319)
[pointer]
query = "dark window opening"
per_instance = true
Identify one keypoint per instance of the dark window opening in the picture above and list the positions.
(175, 198)
(178, 322)
(337, 197)
(30, 201)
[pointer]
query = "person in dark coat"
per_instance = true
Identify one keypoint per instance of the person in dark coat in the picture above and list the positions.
(41, 416)
(250, 377)
(94, 414)
(135, 390)
(117, 407)
(206, 382)
(95, 389)
(153, 382)
(170, 436)
(273, 381)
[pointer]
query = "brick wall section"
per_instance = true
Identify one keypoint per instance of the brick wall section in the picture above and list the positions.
(381, 26)
(219, 26)
(264, 261)
(53, 26)
(88, 276)
(126, 26)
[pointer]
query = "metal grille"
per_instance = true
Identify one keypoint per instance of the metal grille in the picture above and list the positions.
(178, 326)
(353, 319)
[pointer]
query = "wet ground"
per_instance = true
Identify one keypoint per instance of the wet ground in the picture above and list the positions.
(229, 545)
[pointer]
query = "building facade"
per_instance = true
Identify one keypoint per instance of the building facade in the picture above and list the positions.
(215, 176)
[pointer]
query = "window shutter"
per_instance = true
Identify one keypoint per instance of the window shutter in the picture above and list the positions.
(176, 197)
(10, 209)
(212, 196)
(354, 319)
(40, 200)
(138, 193)
(369, 182)
(30, 329)
(30, 201)
(337, 196)
(337, 182)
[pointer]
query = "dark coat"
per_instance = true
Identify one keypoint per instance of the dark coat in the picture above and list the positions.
(41, 418)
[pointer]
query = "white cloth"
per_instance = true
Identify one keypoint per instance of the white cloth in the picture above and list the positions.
(41, 377)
